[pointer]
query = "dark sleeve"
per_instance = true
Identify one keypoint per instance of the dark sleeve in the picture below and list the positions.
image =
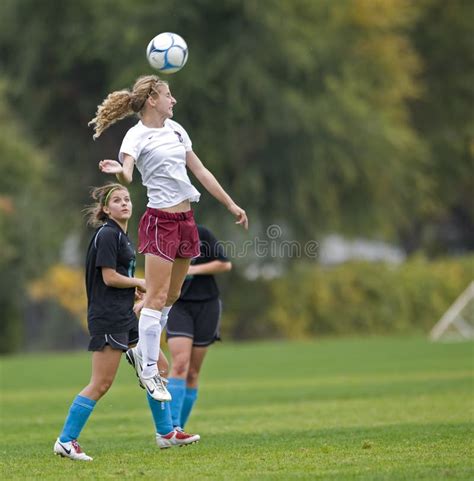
(213, 249)
(106, 243)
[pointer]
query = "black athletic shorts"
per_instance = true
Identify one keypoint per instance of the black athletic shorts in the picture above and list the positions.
(121, 341)
(198, 320)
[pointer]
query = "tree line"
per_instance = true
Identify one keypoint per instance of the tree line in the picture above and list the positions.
(320, 115)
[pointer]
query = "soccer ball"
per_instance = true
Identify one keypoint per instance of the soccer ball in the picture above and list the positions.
(167, 52)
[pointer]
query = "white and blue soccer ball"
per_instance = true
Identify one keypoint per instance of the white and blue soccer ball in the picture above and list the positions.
(167, 52)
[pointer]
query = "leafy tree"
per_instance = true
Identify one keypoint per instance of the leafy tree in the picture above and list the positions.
(444, 117)
(27, 226)
(298, 106)
(328, 115)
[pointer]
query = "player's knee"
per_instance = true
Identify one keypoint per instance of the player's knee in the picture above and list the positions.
(180, 368)
(105, 385)
(156, 301)
(172, 297)
(101, 387)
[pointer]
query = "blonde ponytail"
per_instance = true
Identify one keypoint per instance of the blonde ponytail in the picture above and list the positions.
(122, 103)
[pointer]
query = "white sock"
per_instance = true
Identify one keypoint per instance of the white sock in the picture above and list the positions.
(149, 331)
(164, 316)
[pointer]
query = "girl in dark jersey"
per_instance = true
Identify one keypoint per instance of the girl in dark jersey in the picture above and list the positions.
(111, 287)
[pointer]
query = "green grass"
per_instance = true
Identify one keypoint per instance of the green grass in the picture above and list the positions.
(372, 409)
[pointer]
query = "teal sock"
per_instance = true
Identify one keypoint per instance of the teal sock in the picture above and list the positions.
(79, 412)
(161, 413)
(177, 389)
(190, 397)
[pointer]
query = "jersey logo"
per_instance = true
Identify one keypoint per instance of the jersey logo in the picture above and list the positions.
(180, 137)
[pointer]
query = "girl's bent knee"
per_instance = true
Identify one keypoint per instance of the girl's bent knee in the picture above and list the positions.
(156, 302)
(172, 298)
(101, 388)
(180, 370)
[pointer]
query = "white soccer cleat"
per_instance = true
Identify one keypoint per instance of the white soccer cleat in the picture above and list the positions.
(135, 360)
(177, 437)
(156, 388)
(70, 450)
(155, 385)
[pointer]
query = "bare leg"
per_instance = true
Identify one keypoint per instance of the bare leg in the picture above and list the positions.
(157, 277)
(178, 274)
(192, 380)
(104, 367)
(105, 364)
(163, 365)
(180, 351)
(197, 358)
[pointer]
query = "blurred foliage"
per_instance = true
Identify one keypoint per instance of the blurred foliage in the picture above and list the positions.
(300, 105)
(65, 285)
(352, 116)
(354, 298)
(28, 233)
(335, 113)
(366, 298)
(60, 291)
(360, 298)
(443, 116)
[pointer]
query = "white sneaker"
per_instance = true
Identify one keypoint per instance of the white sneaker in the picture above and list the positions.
(177, 437)
(155, 385)
(70, 450)
(156, 388)
(135, 360)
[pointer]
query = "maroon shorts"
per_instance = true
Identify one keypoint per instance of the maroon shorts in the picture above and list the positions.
(168, 234)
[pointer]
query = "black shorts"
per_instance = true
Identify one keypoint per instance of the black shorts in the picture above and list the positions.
(198, 320)
(121, 341)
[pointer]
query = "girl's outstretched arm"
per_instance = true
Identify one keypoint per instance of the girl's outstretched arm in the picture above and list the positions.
(211, 184)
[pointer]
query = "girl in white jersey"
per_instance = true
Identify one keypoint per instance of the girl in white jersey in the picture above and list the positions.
(162, 150)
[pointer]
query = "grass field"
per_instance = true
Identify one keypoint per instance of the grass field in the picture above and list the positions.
(353, 409)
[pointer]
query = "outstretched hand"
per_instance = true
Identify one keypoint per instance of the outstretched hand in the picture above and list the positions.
(241, 215)
(108, 166)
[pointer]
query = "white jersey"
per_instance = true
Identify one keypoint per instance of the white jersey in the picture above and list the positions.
(160, 157)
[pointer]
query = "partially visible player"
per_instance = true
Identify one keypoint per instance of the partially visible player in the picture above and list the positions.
(193, 324)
